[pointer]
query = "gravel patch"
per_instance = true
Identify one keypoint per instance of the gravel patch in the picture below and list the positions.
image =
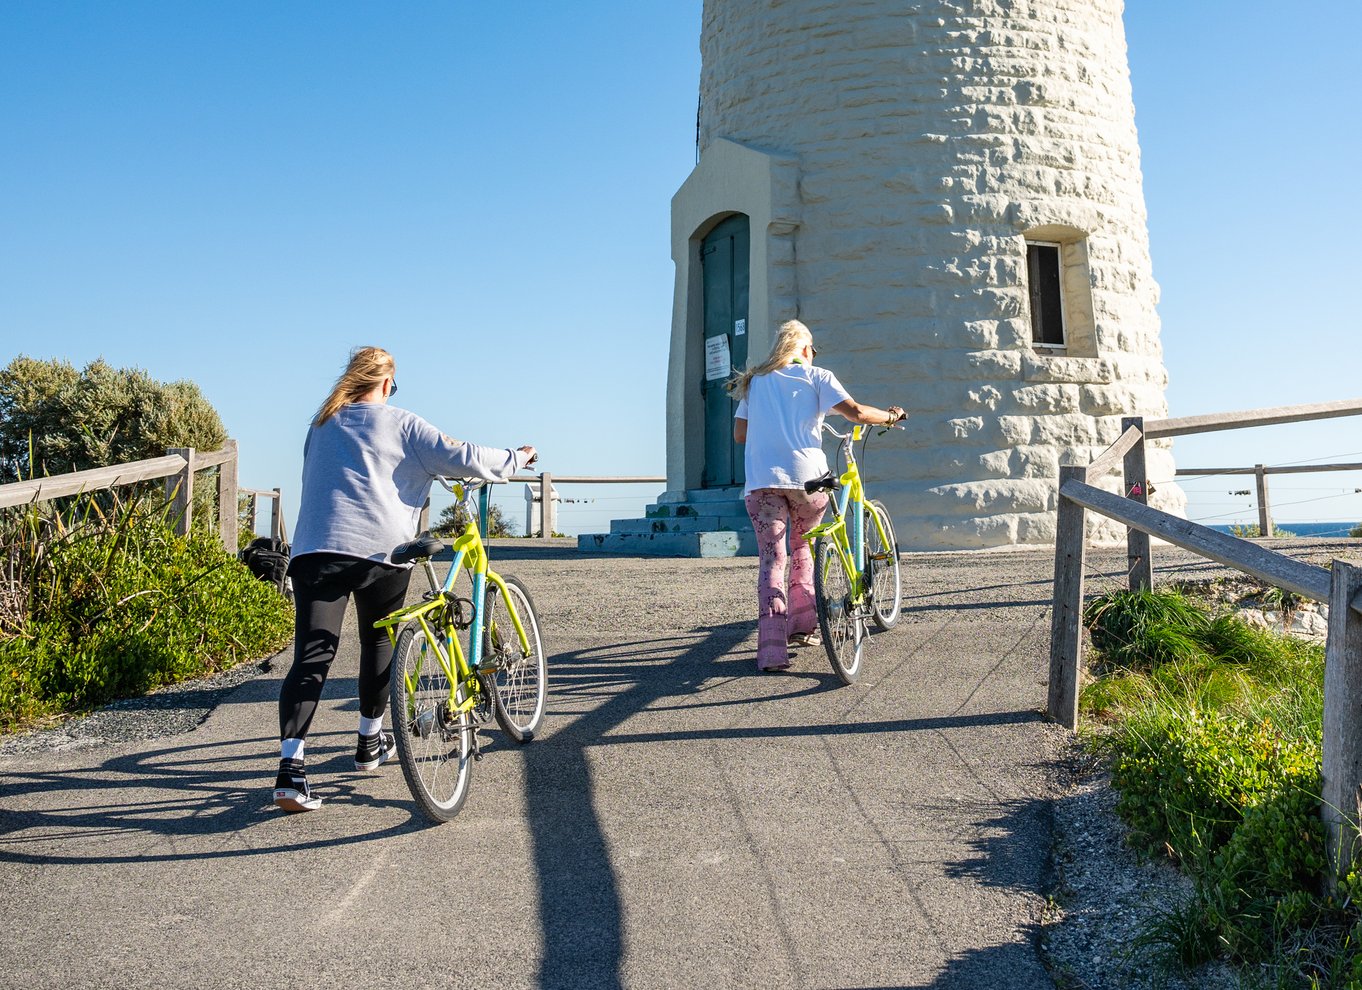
(1107, 894)
(165, 712)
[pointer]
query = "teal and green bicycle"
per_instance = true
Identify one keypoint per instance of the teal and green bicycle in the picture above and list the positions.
(856, 576)
(441, 695)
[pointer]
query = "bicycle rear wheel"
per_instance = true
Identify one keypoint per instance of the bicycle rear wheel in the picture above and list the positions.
(882, 567)
(434, 739)
(839, 618)
(518, 683)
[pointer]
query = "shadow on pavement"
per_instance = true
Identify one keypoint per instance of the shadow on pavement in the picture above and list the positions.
(175, 792)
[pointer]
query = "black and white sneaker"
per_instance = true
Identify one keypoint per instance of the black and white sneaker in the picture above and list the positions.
(375, 750)
(290, 788)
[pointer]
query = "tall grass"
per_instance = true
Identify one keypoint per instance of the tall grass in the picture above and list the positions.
(100, 601)
(1213, 729)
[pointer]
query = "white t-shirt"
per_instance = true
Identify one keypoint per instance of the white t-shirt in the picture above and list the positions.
(784, 412)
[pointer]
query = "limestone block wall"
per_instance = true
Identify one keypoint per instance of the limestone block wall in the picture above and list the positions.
(933, 138)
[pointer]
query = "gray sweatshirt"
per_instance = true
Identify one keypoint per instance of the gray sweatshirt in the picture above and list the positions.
(367, 471)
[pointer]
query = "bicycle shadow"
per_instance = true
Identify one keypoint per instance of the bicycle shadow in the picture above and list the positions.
(174, 793)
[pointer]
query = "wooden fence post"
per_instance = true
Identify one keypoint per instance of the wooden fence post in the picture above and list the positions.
(277, 526)
(1066, 621)
(1138, 562)
(180, 490)
(1342, 719)
(253, 513)
(546, 514)
(227, 499)
(277, 517)
(1264, 509)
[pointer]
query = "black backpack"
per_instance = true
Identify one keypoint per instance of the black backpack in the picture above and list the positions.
(267, 559)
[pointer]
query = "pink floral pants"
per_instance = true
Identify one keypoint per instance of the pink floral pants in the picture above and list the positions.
(784, 609)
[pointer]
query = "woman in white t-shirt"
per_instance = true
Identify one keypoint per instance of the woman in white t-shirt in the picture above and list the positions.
(780, 418)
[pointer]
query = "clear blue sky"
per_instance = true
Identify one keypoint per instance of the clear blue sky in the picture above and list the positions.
(239, 193)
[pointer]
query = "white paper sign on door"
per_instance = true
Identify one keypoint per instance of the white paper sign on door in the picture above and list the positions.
(717, 362)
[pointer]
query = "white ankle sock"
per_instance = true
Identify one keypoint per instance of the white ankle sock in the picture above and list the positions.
(370, 726)
(291, 749)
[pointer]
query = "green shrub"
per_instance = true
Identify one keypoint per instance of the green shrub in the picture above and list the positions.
(1251, 531)
(454, 517)
(1356, 531)
(1214, 741)
(109, 605)
(55, 419)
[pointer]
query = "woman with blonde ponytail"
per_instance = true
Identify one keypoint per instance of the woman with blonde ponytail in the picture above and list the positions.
(780, 415)
(367, 469)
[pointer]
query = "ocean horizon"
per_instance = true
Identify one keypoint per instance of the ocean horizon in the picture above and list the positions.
(1300, 528)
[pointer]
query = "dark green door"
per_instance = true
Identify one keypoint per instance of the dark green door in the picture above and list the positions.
(724, 278)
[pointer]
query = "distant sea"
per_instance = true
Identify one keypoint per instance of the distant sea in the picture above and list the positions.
(1307, 528)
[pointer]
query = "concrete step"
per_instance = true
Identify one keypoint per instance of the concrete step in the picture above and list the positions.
(700, 495)
(682, 524)
(716, 507)
(710, 544)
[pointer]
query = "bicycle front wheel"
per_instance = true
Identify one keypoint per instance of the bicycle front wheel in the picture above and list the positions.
(434, 739)
(518, 682)
(882, 567)
(839, 618)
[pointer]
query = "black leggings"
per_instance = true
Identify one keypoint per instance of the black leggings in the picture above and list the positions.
(322, 584)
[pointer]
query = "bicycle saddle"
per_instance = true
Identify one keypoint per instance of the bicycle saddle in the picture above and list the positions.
(424, 545)
(827, 482)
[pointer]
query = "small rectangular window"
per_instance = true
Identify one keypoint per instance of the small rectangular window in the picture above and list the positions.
(1047, 301)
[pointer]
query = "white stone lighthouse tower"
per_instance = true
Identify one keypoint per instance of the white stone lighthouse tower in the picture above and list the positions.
(948, 193)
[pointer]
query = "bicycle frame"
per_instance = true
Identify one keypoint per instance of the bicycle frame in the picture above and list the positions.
(470, 554)
(850, 547)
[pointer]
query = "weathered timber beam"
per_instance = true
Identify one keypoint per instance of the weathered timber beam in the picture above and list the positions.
(1274, 568)
(1251, 417)
(95, 479)
(1107, 461)
(1268, 469)
(566, 479)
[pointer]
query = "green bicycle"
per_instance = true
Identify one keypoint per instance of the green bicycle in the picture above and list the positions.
(439, 697)
(856, 578)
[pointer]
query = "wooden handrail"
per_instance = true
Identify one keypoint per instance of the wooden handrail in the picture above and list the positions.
(94, 479)
(1276, 569)
(1270, 416)
(1269, 469)
(1105, 462)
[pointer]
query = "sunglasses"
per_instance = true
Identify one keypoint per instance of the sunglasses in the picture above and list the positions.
(393, 391)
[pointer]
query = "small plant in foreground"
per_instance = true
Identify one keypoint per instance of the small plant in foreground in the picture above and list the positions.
(1213, 734)
(103, 605)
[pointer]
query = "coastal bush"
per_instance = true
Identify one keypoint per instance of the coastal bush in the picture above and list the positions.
(55, 419)
(454, 517)
(100, 604)
(1356, 531)
(1213, 733)
(1251, 531)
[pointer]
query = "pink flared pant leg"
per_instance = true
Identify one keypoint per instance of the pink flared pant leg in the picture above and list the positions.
(785, 607)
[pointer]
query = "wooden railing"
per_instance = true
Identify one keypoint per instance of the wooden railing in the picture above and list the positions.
(178, 468)
(1340, 587)
(1261, 472)
(545, 482)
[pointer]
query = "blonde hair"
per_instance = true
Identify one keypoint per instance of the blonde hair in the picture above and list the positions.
(790, 339)
(367, 368)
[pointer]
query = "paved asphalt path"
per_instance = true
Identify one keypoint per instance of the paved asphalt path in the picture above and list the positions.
(682, 821)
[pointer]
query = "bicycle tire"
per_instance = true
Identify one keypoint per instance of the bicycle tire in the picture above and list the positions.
(434, 746)
(518, 684)
(839, 619)
(882, 568)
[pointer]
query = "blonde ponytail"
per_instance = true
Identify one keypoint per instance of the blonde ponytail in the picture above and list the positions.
(791, 338)
(367, 368)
